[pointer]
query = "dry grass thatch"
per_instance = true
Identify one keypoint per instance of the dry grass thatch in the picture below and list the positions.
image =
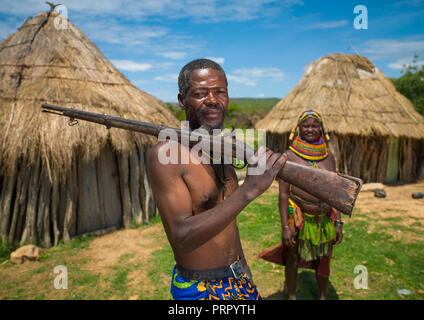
(353, 97)
(41, 63)
(58, 181)
(376, 133)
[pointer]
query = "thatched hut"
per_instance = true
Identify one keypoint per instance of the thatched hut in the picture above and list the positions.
(58, 181)
(376, 133)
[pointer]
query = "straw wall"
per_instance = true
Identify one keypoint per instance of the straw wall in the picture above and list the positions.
(103, 194)
(367, 157)
(55, 181)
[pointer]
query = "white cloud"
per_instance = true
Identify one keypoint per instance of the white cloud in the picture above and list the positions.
(400, 52)
(250, 77)
(382, 48)
(132, 66)
(169, 77)
(198, 10)
(219, 60)
(112, 31)
(139, 37)
(409, 3)
(165, 94)
(328, 24)
(173, 55)
(401, 63)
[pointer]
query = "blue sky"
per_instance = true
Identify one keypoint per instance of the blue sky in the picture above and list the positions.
(263, 45)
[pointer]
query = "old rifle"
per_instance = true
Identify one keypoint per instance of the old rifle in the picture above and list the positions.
(338, 190)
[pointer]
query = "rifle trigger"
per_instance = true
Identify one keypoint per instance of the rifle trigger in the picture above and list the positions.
(72, 122)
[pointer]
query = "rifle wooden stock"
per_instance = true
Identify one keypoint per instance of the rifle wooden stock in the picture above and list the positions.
(338, 190)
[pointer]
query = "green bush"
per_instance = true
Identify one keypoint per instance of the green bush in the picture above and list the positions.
(411, 84)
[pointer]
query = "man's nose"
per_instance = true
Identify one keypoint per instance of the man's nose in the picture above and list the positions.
(211, 98)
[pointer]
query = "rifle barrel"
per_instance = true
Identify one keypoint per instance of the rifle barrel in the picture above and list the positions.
(338, 190)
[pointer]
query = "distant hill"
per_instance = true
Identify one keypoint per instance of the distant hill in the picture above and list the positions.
(255, 104)
(242, 112)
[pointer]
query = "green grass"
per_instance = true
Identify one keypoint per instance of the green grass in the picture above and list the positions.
(374, 242)
(392, 264)
(6, 250)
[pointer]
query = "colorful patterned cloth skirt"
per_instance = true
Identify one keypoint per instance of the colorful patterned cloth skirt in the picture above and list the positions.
(228, 288)
(315, 236)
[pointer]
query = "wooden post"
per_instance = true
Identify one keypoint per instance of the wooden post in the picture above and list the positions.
(89, 215)
(108, 186)
(125, 192)
(29, 233)
(20, 204)
(8, 188)
(150, 201)
(392, 174)
(43, 216)
(69, 197)
(382, 160)
(372, 169)
(136, 212)
(420, 160)
(142, 169)
(54, 209)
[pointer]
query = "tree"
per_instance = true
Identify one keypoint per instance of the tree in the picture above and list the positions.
(411, 83)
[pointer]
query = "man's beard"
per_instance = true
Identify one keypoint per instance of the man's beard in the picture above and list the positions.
(207, 127)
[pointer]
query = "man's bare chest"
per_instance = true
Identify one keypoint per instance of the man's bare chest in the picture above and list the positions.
(208, 186)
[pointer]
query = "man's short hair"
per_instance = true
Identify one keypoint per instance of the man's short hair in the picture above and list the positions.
(184, 76)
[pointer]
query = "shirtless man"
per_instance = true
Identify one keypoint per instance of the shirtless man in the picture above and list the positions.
(300, 227)
(199, 202)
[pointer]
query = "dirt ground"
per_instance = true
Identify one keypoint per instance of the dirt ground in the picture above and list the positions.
(398, 205)
(107, 249)
(397, 202)
(137, 245)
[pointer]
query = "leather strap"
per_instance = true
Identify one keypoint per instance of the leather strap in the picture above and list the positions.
(210, 274)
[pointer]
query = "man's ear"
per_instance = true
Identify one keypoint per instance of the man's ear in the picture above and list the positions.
(181, 101)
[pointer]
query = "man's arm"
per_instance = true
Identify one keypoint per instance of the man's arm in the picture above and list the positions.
(339, 230)
(283, 204)
(185, 230)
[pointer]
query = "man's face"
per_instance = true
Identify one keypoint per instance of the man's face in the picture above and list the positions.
(310, 130)
(206, 100)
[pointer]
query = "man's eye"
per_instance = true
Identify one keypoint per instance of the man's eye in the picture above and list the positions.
(199, 94)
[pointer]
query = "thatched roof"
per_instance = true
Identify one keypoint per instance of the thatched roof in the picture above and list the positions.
(40, 63)
(353, 97)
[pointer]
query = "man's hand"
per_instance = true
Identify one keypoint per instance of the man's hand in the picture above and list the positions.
(339, 235)
(258, 179)
(288, 237)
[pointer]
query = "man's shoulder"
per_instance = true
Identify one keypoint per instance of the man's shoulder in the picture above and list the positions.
(164, 146)
(157, 146)
(160, 154)
(154, 151)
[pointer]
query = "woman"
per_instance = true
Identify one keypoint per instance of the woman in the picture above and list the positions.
(310, 228)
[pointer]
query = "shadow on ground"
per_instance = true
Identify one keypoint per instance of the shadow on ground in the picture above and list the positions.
(306, 289)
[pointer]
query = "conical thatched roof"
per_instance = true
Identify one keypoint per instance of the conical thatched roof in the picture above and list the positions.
(42, 63)
(352, 95)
